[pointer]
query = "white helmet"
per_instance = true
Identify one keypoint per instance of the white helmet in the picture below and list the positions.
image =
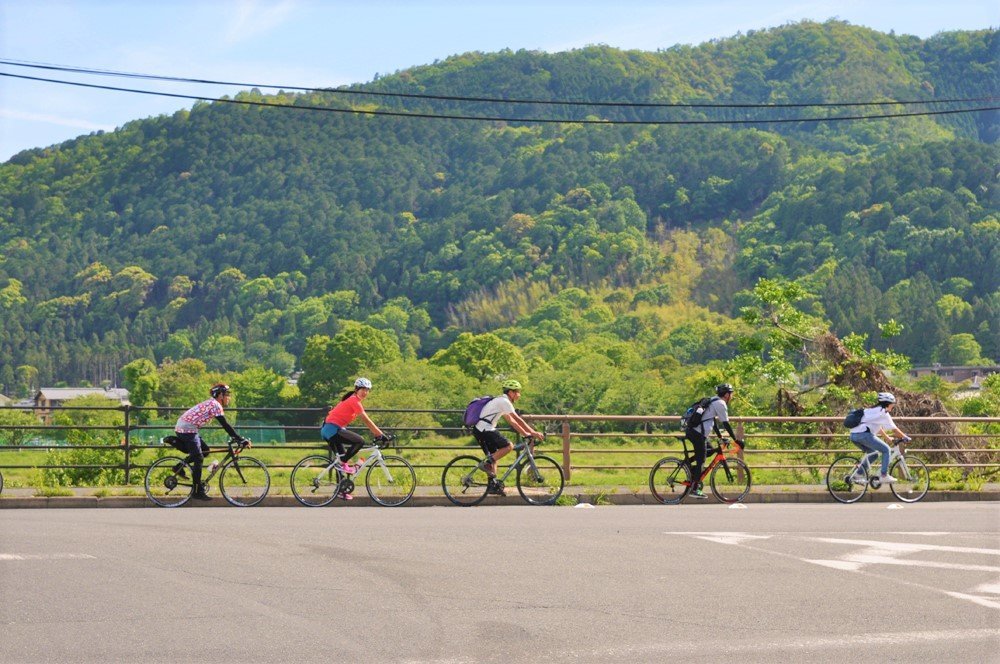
(363, 382)
(886, 397)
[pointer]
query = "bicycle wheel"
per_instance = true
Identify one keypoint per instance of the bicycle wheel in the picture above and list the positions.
(168, 482)
(1, 482)
(244, 481)
(841, 481)
(391, 482)
(464, 481)
(912, 479)
(540, 483)
(313, 484)
(670, 480)
(731, 480)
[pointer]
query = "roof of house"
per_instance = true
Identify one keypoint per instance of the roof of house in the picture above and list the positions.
(67, 393)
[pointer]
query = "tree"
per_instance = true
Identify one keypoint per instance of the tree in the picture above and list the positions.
(329, 365)
(482, 356)
(142, 381)
(960, 349)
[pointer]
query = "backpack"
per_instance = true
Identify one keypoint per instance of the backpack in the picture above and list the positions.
(853, 418)
(472, 412)
(694, 415)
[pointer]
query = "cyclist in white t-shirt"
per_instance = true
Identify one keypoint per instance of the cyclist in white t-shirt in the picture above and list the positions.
(877, 421)
(494, 444)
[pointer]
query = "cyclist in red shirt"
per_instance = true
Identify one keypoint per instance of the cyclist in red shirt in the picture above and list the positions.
(335, 432)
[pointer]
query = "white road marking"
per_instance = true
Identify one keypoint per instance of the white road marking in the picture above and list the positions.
(724, 537)
(47, 556)
(905, 547)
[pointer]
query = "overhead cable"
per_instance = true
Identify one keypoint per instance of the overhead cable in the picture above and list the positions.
(445, 116)
(494, 100)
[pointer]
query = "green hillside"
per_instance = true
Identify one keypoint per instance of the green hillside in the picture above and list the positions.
(233, 234)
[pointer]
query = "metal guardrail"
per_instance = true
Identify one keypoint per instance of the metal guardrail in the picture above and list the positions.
(985, 444)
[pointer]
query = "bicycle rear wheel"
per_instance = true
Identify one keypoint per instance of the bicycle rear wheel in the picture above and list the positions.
(391, 482)
(314, 483)
(912, 479)
(841, 481)
(168, 482)
(670, 480)
(244, 481)
(464, 481)
(731, 480)
(540, 483)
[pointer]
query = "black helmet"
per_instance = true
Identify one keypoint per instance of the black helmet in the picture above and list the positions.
(218, 390)
(723, 389)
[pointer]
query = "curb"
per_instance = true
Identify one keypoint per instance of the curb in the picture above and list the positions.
(597, 498)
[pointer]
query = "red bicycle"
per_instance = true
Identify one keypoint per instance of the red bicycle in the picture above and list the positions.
(670, 479)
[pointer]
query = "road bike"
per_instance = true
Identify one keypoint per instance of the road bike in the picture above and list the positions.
(243, 480)
(539, 478)
(390, 480)
(849, 476)
(670, 478)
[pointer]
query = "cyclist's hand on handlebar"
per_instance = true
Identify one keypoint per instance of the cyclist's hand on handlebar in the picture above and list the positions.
(246, 442)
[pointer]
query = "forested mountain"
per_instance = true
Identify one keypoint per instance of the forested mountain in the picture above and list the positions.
(233, 233)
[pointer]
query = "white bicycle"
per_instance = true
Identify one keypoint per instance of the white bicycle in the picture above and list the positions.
(390, 480)
(849, 476)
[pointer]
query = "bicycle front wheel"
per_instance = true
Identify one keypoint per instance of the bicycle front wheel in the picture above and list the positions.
(731, 480)
(464, 481)
(540, 482)
(912, 479)
(314, 483)
(244, 481)
(168, 482)
(670, 480)
(391, 482)
(842, 482)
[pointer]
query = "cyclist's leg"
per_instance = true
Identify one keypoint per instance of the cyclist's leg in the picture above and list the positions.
(355, 441)
(862, 440)
(195, 449)
(698, 441)
(329, 433)
(495, 445)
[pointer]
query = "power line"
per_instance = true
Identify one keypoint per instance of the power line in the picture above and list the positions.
(495, 100)
(442, 116)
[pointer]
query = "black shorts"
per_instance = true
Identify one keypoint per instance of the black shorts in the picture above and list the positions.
(490, 441)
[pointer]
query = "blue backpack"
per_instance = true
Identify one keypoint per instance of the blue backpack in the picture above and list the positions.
(473, 411)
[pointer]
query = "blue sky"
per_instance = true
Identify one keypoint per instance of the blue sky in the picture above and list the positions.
(328, 43)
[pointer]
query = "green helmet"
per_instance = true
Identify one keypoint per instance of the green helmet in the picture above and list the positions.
(511, 384)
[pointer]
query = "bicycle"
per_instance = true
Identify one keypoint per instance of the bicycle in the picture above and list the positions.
(243, 481)
(849, 476)
(670, 478)
(1, 482)
(390, 480)
(539, 478)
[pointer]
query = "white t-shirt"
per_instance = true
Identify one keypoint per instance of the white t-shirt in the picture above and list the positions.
(876, 418)
(490, 416)
(715, 410)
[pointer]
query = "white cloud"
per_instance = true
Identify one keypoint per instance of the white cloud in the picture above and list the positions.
(253, 18)
(58, 120)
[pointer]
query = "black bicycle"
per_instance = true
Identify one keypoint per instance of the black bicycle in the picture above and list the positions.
(243, 480)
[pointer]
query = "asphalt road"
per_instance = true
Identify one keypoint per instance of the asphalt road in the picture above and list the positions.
(765, 583)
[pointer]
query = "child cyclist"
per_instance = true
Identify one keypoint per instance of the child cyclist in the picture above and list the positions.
(335, 432)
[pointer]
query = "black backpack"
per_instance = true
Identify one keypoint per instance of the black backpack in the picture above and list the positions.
(694, 415)
(853, 418)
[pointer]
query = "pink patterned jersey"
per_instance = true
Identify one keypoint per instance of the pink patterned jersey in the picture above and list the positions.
(196, 416)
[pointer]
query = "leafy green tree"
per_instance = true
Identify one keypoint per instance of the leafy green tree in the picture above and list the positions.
(482, 356)
(960, 349)
(329, 365)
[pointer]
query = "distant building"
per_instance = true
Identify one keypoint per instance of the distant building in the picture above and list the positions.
(48, 398)
(956, 374)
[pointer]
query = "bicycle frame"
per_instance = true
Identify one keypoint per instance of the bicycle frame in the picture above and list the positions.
(374, 456)
(894, 453)
(232, 453)
(526, 454)
(719, 457)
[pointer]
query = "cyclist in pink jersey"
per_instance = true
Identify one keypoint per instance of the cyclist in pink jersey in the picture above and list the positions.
(335, 432)
(187, 429)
